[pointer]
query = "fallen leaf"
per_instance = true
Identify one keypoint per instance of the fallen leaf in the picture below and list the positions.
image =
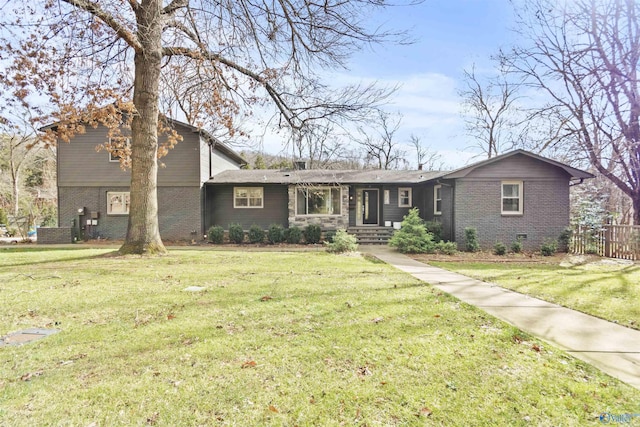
(424, 412)
(536, 347)
(266, 298)
(29, 375)
(378, 320)
(249, 364)
(436, 315)
(364, 371)
(171, 317)
(516, 339)
(273, 409)
(153, 419)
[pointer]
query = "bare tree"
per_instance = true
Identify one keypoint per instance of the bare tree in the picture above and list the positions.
(585, 57)
(320, 145)
(490, 111)
(87, 54)
(18, 146)
(378, 140)
(427, 159)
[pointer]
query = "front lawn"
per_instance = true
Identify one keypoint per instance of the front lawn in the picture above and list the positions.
(273, 339)
(604, 288)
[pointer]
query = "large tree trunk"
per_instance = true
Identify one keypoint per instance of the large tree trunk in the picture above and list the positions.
(636, 208)
(143, 233)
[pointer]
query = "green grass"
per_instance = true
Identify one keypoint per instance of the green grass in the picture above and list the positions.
(275, 339)
(606, 290)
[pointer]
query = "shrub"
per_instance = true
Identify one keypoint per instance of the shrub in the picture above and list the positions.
(549, 247)
(3, 217)
(236, 233)
(342, 242)
(256, 234)
(446, 248)
(565, 239)
(471, 238)
(275, 234)
(413, 236)
(516, 247)
(216, 234)
(435, 228)
(312, 234)
(329, 235)
(293, 235)
(499, 248)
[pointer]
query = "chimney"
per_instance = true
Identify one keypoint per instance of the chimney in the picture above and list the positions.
(419, 166)
(300, 165)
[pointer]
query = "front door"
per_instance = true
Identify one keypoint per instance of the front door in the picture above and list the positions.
(370, 207)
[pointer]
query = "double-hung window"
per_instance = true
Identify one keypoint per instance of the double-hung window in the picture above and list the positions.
(248, 197)
(118, 203)
(404, 197)
(118, 148)
(512, 198)
(318, 201)
(437, 200)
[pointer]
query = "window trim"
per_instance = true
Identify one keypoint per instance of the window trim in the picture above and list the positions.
(436, 199)
(324, 187)
(235, 198)
(126, 194)
(403, 205)
(520, 198)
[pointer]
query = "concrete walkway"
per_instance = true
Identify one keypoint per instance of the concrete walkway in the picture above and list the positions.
(612, 348)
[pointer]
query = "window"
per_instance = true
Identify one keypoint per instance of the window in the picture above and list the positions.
(118, 203)
(248, 197)
(387, 197)
(404, 197)
(114, 157)
(512, 197)
(318, 201)
(437, 200)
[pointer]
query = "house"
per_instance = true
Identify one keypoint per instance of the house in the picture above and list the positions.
(514, 195)
(93, 190)
(517, 195)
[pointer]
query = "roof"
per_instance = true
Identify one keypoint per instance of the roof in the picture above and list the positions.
(371, 176)
(323, 176)
(573, 172)
(212, 140)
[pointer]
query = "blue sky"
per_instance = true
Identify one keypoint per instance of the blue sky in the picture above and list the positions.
(450, 35)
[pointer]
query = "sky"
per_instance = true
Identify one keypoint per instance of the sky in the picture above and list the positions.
(450, 36)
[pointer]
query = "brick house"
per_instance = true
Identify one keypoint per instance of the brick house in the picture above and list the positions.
(93, 190)
(201, 184)
(515, 195)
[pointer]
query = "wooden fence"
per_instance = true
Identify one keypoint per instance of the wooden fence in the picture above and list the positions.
(612, 241)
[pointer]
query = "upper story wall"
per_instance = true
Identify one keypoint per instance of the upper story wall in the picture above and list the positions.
(190, 162)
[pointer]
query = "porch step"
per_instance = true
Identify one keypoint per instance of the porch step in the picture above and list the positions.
(372, 235)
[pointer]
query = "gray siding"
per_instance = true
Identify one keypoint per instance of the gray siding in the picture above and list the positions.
(178, 211)
(79, 164)
(392, 212)
(545, 211)
(220, 162)
(520, 167)
(220, 210)
(446, 216)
